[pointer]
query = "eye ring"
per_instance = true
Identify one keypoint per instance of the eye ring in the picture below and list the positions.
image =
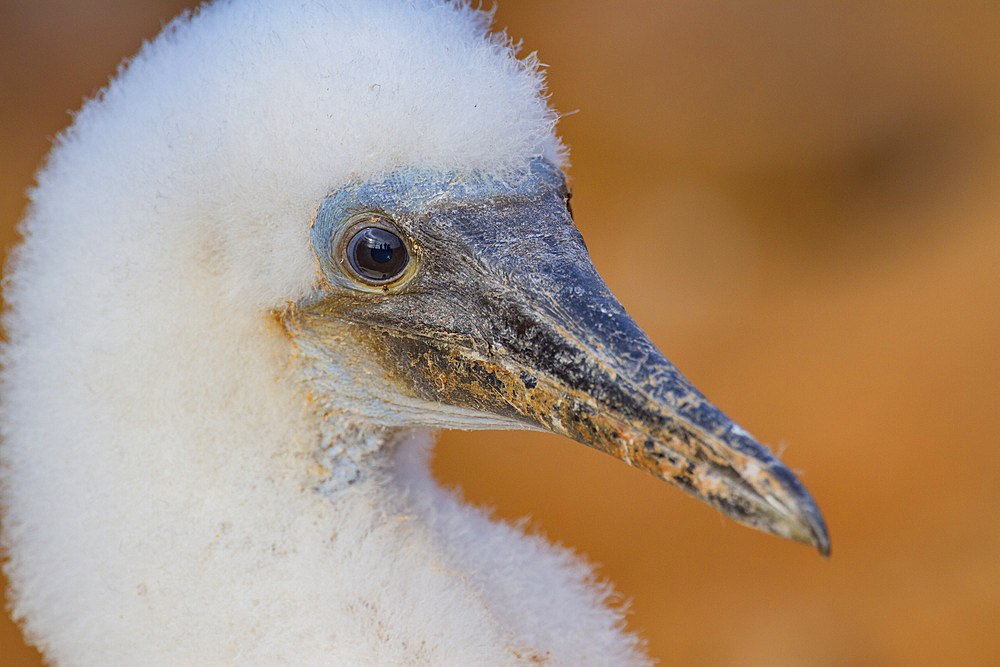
(372, 252)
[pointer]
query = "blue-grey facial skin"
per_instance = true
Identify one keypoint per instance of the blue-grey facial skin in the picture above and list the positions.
(501, 311)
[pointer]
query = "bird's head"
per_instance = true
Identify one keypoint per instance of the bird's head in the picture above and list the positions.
(469, 300)
(442, 283)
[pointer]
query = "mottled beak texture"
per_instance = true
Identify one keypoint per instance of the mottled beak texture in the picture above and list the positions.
(506, 315)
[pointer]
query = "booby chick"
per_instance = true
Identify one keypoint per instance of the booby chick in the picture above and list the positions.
(285, 244)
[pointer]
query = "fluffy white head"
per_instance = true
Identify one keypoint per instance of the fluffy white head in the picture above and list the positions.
(159, 456)
(239, 121)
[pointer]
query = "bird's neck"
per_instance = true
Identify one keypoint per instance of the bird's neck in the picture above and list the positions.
(350, 450)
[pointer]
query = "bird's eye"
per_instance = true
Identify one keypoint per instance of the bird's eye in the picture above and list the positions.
(376, 255)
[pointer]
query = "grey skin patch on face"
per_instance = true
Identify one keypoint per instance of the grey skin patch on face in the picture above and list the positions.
(504, 316)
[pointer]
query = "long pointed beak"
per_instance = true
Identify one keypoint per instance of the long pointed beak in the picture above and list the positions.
(507, 317)
(636, 406)
(565, 356)
(611, 388)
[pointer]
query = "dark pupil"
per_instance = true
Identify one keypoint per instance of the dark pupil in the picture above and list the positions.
(377, 254)
(382, 254)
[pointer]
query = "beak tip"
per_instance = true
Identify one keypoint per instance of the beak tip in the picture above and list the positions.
(800, 518)
(821, 539)
(812, 526)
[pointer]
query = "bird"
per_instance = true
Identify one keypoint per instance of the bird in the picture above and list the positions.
(281, 249)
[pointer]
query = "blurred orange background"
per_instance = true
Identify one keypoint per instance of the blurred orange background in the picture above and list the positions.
(800, 202)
